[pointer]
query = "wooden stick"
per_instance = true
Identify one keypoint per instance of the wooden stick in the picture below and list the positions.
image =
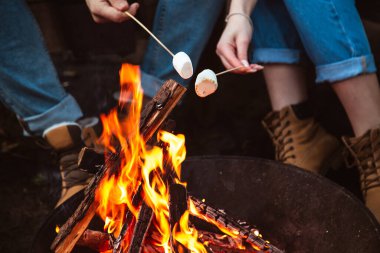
(150, 33)
(153, 115)
(228, 70)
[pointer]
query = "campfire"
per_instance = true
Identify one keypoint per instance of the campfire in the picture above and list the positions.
(138, 192)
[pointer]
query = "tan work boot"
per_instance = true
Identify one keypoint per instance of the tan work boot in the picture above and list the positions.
(66, 140)
(365, 151)
(302, 142)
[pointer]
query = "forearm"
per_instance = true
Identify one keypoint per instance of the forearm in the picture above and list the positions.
(242, 6)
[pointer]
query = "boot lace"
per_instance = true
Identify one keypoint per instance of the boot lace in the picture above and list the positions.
(366, 158)
(280, 133)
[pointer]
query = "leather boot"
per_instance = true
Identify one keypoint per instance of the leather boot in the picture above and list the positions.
(302, 142)
(365, 151)
(66, 140)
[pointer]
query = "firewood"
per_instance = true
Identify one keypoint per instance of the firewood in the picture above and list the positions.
(142, 226)
(177, 207)
(245, 232)
(153, 115)
(95, 240)
(89, 160)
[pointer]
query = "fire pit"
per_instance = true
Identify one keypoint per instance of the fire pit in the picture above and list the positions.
(140, 195)
(295, 210)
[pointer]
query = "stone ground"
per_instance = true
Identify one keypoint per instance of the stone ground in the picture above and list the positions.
(227, 123)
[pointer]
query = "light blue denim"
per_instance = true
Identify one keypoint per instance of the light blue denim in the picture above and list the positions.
(182, 25)
(329, 31)
(28, 81)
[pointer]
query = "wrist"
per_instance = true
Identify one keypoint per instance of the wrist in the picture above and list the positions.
(242, 6)
(240, 15)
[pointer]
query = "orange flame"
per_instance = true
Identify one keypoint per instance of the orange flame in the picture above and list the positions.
(188, 236)
(122, 134)
(140, 165)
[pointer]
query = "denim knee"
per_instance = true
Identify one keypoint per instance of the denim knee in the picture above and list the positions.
(333, 38)
(181, 25)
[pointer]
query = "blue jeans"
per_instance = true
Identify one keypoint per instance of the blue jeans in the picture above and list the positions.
(183, 25)
(329, 31)
(28, 81)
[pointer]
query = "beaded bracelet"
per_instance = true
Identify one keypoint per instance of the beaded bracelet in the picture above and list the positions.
(240, 14)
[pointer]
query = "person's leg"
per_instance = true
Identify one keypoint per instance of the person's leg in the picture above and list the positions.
(280, 50)
(297, 137)
(360, 97)
(285, 85)
(182, 25)
(342, 56)
(29, 86)
(341, 52)
(28, 81)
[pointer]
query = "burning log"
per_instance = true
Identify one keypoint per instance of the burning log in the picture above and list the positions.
(95, 240)
(222, 243)
(153, 115)
(240, 229)
(89, 160)
(142, 225)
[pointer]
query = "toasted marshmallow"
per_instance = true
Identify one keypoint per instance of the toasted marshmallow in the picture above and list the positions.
(206, 83)
(182, 64)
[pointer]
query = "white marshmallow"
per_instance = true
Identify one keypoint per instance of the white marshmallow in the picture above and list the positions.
(182, 64)
(206, 83)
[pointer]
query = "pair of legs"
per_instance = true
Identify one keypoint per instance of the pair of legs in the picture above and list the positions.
(359, 95)
(332, 36)
(334, 40)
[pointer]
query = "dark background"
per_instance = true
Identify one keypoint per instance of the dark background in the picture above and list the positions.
(88, 57)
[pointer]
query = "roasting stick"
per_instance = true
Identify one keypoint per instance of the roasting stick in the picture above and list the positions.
(207, 82)
(228, 70)
(181, 61)
(150, 33)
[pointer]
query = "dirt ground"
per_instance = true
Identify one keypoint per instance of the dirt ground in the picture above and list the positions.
(227, 123)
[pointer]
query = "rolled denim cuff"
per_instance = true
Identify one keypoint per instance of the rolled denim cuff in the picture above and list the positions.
(150, 84)
(66, 111)
(274, 55)
(342, 70)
